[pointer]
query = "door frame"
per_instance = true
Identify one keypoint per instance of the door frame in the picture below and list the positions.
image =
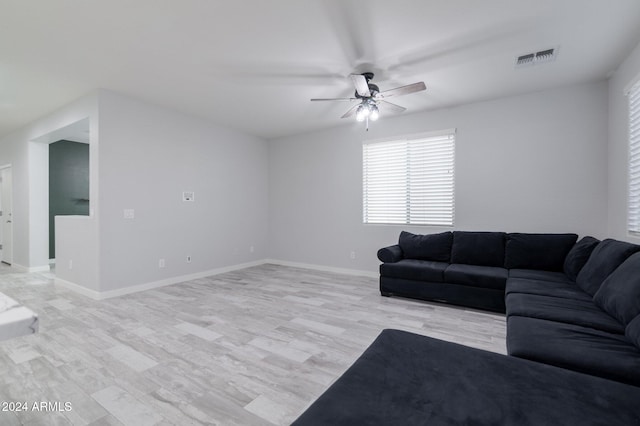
(7, 258)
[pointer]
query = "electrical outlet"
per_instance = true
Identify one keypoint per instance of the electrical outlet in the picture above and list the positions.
(70, 264)
(352, 255)
(129, 213)
(188, 259)
(251, 249)
(161, 263)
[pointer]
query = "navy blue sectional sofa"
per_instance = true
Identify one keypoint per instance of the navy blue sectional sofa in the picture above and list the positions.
(570, 304)
(573, 336)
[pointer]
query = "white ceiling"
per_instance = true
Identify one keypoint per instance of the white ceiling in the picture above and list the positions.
(254, 64)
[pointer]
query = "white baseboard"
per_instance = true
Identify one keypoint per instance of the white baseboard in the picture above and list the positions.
(324, 268)
(43, 268)
(19, 267)
(101, 295)
(93, 294)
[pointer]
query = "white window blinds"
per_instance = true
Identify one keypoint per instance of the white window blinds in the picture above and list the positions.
(634, 160)
(409, 181)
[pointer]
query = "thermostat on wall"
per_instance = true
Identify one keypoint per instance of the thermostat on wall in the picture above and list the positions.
(188, 196)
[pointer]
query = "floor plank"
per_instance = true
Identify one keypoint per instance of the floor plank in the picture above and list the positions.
(250, 347)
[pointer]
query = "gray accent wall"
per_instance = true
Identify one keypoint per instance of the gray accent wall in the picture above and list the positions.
(68, 183)
(530, 163)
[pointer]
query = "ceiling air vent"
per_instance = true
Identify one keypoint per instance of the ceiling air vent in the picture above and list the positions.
(539, 57)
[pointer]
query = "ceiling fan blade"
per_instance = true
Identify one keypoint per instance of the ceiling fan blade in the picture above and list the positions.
(391, 107)
(334, 99)
(361, 85)
(404, 90)
(351, 111)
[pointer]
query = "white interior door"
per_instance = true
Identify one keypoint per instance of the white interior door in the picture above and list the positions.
(7, 216)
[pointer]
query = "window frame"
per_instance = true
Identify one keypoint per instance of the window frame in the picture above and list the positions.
(451, 133)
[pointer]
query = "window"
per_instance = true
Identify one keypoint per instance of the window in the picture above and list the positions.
(634, 160)
(409, 181)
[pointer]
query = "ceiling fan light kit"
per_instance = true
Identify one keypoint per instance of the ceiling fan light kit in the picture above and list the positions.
(367, 110)
(371, 98)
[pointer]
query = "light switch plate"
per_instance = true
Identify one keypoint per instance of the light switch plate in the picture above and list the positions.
(129, 213)
(188, 196)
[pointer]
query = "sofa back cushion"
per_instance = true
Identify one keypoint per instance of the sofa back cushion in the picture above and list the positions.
(619, 294)
(546, 252)
(578, 256)
(605, 258)
(633, 331)
(478, 248)
(436, 247)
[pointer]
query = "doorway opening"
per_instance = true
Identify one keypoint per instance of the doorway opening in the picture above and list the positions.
(68, 184)
(64, 178)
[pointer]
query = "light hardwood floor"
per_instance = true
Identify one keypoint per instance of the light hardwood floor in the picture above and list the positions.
(251, 347)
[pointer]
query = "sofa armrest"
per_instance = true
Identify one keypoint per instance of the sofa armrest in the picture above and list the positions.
(390, 254)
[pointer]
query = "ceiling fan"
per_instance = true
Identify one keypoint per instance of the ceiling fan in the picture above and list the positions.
(371, 99)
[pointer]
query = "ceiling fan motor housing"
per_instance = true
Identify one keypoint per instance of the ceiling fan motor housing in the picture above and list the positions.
(373, 89)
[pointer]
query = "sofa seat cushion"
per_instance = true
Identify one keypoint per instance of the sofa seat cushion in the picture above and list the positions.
(619, 294)
(409, 380)
(578, 256)
(476, 276)
(579, 312)
(413, 269)
(535, 274)
(605, 258)
(478, 248)
(577, 348)
(546, 252)
(546, 288)
(435, 247)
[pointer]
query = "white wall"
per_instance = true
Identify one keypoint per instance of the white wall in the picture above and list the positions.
(38, 204)
(148, 156)
(14, 152)
(627, 72)
(72, 234)
(530, 163)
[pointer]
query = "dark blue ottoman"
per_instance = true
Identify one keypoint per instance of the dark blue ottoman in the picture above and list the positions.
(408, 379)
